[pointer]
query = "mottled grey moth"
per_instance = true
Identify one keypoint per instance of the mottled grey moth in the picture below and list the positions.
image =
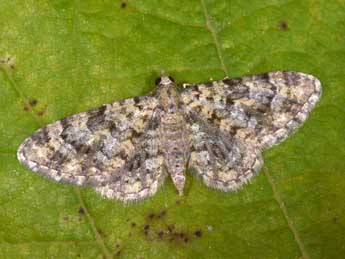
(218, 129)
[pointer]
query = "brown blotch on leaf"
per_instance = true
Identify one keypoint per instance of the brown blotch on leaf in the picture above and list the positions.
(162, 214)
(283, 25)
(33, 102)
(181, 235)
(41, 113)
(65, 218)
(198, 233)
(151, 216)
(146, 229)
(171, 228)
(5, 59)
(160, 234)
(118, 253)
(26, 108)
(81, 211)
(100, 232)
(133, 224)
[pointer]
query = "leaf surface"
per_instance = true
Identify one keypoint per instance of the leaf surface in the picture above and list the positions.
(61, 57)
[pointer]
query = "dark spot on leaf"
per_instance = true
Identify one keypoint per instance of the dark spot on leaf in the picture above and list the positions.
(100, 232)
(33, 102)
(81, 211)
(123, 5)
(181, 235)
(283, 25)
(65, 218)
(160, 234)
(198, 233)
(133, 224)
(41, 113)
(146, 229)
(162, 214)
(118, 253)
(186, 240)
(335, 219)
(171, 228)
(26, 108)
(151, 216)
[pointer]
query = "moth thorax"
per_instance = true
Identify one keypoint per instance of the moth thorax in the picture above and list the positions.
(168, 97)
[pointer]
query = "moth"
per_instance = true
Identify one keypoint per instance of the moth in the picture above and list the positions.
(125, 149)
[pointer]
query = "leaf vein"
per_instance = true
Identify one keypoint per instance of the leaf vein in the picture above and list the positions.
(291, 224)
(213, 32)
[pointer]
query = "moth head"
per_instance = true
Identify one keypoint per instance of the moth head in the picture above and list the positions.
(167, 93)
(164, 80)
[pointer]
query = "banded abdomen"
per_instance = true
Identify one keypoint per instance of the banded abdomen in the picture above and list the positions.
(174, 141)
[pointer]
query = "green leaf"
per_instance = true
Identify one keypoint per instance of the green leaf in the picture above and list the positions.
(61, 57)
